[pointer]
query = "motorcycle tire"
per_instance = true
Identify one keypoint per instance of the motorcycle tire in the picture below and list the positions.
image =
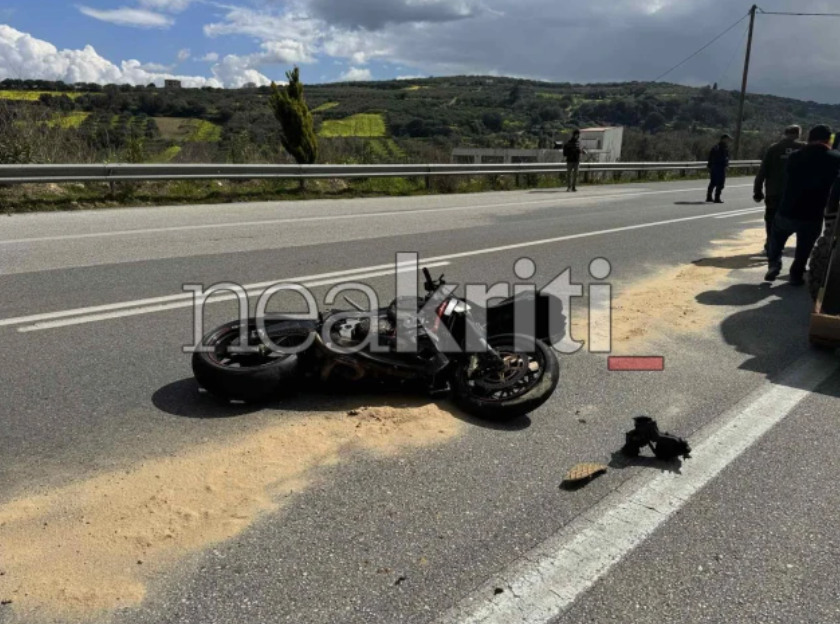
(473, 399)
(260, 379)
(818, 266)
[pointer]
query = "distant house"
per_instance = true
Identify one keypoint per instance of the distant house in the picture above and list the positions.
(172, 84)
(602, 145)
(249, 85)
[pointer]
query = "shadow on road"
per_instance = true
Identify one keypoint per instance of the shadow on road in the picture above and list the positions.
(187, 400)
(690, 203)
(743, 261)
(772, 329)
(620, 461)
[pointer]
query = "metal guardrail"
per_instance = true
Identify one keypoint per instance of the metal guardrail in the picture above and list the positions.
(41, 174)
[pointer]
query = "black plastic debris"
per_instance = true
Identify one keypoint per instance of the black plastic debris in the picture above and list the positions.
(665, 447)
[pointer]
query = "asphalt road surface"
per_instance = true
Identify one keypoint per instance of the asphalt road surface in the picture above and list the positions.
(126, 495)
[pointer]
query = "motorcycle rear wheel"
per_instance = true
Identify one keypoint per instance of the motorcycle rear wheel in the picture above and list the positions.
(528, 382)
(250, 378)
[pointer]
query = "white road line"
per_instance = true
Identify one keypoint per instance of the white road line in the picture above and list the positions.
(548, 580)
(741, 213)
(159, 304)
(548, 241)
(153, 301)
(364, 215)
(252, 291)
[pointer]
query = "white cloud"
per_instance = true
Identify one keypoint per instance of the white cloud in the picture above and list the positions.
(237, 71)
(210, 57)
(410, 77)
(183, 55)
(139, 18)
(24, 56)
(157, 67)
(354, 74)
(286, 51)
(170, 6)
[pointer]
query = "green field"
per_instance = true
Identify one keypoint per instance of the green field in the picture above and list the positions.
(361, 125)
(325, 107)
(70, 120)
(188, 130)
(167, 155)
(204, 132)
(32, 96)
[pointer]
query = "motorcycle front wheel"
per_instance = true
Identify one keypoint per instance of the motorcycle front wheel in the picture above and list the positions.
(527, 381)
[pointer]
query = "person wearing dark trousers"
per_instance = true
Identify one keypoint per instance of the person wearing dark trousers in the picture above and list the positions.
(718, 164)
(810, 175)
(770, 181)
(572, 151)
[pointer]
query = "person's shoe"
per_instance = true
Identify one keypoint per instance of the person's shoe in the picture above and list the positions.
(797, 280)
(709, 200)
(574, 190)
(773, 274)
(718, 201)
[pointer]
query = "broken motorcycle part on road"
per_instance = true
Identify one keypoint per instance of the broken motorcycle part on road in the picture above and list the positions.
(665, 447)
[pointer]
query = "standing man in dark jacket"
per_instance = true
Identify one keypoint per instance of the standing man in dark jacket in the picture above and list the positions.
(572, 151)
(718, 164)
(771, 176)
(809, 176)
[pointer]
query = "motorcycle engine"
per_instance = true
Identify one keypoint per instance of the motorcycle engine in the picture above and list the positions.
(361, 331)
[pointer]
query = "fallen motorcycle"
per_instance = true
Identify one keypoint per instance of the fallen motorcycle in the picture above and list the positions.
(510, 376)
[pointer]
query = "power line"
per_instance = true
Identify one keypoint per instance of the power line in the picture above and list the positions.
(678, 65)
(763, 12)
(734, 54)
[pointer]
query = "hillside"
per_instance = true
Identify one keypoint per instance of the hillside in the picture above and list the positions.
(393, 120)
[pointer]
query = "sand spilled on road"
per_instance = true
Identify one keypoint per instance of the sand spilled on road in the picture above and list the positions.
(665, 303)
(92, 546)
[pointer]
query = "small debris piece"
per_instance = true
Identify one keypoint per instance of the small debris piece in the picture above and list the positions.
(8, 601)
(582, 421)
(353, 413)
(584, 472)
(400, 580)
(498, 591)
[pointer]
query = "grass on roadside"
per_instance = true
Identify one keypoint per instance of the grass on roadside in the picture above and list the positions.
(76, 196)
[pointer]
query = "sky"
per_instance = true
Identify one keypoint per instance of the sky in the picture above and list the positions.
(229, 43)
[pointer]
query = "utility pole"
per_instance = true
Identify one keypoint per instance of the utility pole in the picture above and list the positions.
(753, 11)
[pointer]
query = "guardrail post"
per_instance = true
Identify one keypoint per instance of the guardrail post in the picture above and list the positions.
(113, 188)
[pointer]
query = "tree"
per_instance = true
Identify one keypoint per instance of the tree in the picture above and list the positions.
(654, 121)
(290, 109)
(493, 121)
(515, 94)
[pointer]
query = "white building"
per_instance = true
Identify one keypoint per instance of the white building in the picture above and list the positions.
(601, 144)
